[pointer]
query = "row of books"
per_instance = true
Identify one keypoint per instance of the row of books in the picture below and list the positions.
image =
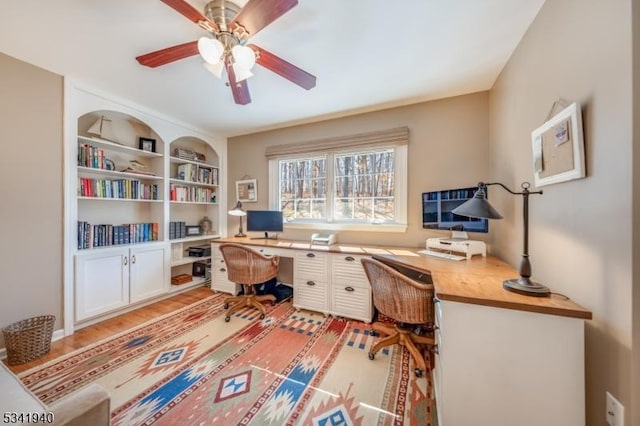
(199, 174)
(102, 235)
(91, 156)
(191, 194)
(177, 230)
(129, 189)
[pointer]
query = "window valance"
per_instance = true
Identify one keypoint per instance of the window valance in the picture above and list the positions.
(379, 138)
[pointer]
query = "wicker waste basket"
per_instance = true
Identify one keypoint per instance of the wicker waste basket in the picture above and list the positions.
(28, 339)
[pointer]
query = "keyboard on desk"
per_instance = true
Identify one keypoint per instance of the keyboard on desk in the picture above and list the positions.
(442, 255)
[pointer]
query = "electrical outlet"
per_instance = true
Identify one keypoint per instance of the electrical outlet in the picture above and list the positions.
(615, 411)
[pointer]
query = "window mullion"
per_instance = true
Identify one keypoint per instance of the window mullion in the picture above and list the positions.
(330, 181)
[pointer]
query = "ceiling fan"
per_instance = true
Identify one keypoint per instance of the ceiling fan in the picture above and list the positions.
(227, 46)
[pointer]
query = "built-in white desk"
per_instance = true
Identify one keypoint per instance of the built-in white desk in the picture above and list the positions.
(502, 358)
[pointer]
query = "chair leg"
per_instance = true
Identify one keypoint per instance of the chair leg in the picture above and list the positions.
(387, 341)
(408, 343)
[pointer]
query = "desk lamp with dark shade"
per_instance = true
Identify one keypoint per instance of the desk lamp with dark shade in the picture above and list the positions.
(479, 207)
(238, 211)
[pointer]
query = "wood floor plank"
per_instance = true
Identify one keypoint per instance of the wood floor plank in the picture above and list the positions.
(102, 330)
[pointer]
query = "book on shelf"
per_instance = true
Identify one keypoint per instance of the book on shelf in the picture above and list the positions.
(103, 235)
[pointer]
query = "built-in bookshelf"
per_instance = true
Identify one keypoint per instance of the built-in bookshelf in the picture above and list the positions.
(193, 195)
(117, 170)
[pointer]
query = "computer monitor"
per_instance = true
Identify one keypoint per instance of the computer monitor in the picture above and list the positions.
(264, 221)
(437, 212)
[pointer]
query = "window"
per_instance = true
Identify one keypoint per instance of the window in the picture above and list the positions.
(358, 187)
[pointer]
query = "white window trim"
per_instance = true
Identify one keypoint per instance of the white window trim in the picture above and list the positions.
(400, 190)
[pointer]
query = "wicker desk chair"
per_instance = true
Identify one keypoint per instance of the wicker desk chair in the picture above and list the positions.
(249, 268)
(404, 300)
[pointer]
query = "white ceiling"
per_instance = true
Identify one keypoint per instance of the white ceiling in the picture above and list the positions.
(366, 55)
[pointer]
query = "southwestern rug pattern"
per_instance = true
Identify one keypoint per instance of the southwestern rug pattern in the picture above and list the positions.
(292, 367)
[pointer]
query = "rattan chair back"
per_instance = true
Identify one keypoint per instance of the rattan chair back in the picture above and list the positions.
(398, 296)
(247, 266)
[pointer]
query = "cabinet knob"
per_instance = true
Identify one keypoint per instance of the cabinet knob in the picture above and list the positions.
(349, 258)
(125, 261)
(311, 255)
(310, 283)
(133, 259)
(349, 288)
(223, 270)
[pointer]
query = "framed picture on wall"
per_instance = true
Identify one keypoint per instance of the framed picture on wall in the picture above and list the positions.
(558, 148)
(247, 190)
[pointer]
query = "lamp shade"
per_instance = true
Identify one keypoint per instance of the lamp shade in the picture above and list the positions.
(210, 49)
(478, 207)
(243, 56)
(241, 73)
(237, 210)
(215, 69)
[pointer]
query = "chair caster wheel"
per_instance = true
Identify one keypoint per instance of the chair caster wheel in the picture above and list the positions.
(227, 318)
(373, 333)
(261, 316)
(372, 355)
(226, 306)
(418, 372)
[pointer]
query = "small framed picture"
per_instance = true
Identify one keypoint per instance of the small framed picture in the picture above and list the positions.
(193, 230)
(558, 148)
(247, 190)
(147, 144)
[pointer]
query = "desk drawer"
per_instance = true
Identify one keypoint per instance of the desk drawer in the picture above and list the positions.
(352, 302)
(310, 266)
(310, 294)
(348, 270)
(219, 280)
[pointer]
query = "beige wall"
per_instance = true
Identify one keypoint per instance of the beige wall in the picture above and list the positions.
(635, 370)
(580, 236)
(448, 148)
(31, 225)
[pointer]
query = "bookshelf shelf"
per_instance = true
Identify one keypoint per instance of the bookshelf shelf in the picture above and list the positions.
(187, 182)
(90, 172)
(189, 259)
(116, 147)
(198, 238)
(135, 200)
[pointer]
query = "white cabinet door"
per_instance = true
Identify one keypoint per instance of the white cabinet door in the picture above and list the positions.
(148, 272)
(526, 366)
(102, 281)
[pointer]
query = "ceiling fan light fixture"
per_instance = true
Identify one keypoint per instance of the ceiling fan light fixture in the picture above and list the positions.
(210, 49)
(215, 69)
(241, 73)
(243, 56)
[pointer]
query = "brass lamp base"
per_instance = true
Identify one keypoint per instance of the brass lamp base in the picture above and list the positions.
(527, 287)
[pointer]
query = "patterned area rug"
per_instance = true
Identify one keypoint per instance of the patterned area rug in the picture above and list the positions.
(293, 367)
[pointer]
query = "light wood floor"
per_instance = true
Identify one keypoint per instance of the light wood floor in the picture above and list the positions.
(104, 329)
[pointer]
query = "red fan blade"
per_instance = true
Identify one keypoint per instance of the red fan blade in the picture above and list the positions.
(192, 14)
(284, 68)
(170, 54)
(240, 89)
(257, 14)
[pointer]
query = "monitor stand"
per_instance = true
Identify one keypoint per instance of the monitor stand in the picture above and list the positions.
(266, 237)
(458, 236)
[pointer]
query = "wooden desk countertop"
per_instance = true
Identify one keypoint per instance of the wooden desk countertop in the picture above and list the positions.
(476, 281)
